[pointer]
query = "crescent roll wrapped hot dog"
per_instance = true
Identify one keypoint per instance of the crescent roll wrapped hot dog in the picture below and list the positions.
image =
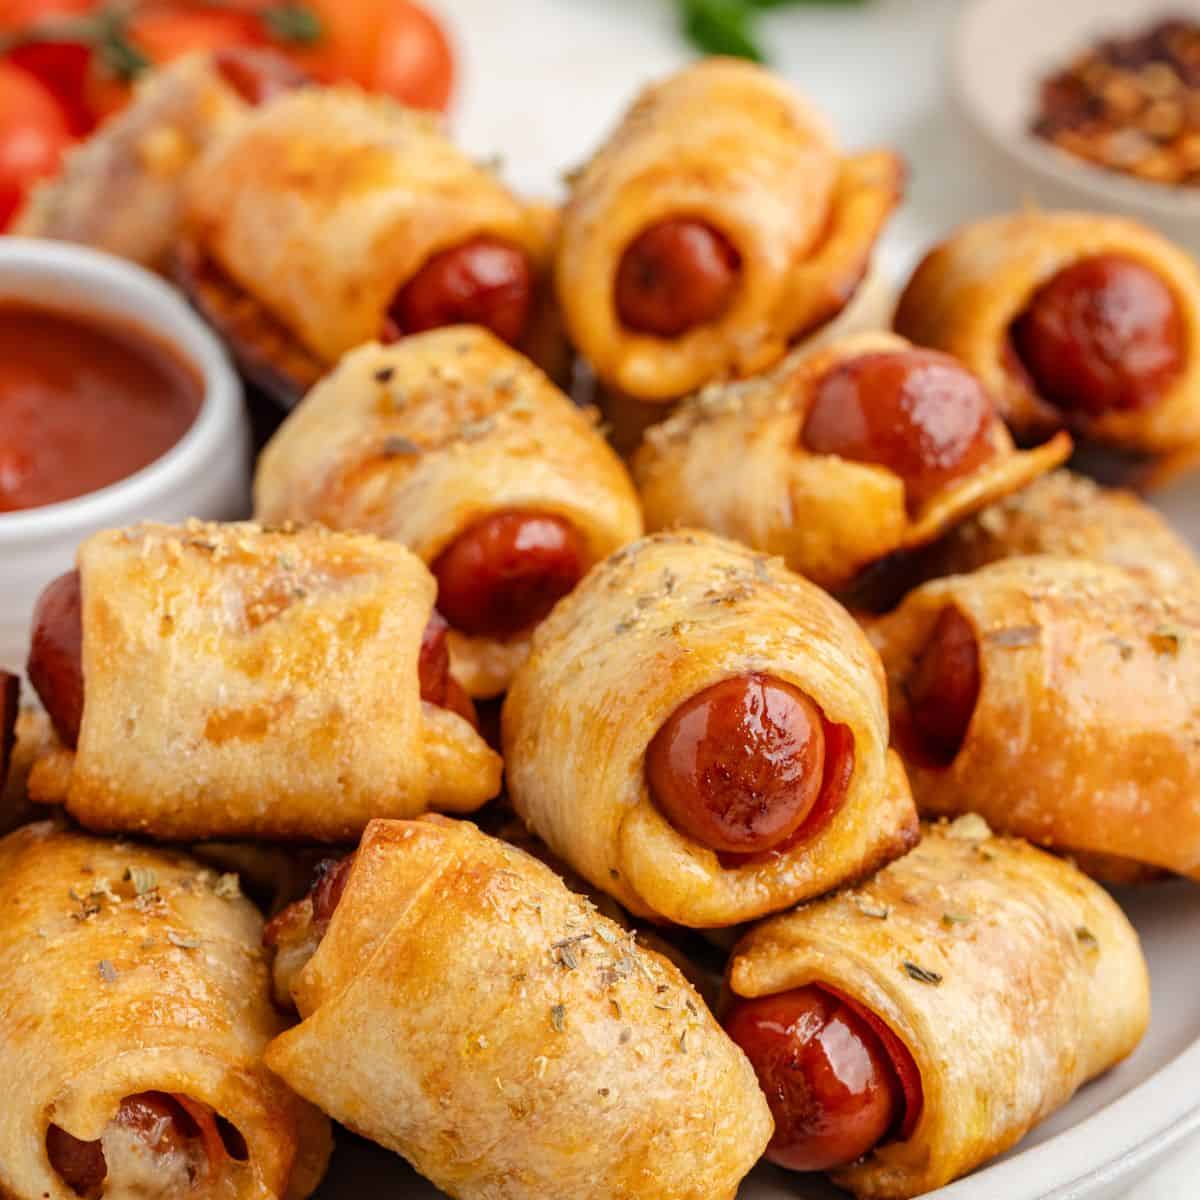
(225, 680)
(1059, 699)
(838, 458)
(462, 1007)
(908, 1030)
(341, 218)
(458, 447)
(121, 190)
(1069, 515)
(718, 224)
(135, 1005)
(1070, 319)
(703, 735)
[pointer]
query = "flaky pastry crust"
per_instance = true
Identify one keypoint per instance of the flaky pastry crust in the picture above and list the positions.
(469, 1012)
(1083, 735)
(419, 440)
(732, 459)
(968, 291)
(647, 629)
(725, 142)
(1011, 978)
(125, 970)
(323, 203)
(242, 681)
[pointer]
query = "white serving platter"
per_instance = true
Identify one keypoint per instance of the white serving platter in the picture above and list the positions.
(544, 79)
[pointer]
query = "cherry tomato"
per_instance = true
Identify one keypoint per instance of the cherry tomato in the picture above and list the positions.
(413, 59)
(389, 46)
(33, 136)
(18, 15)
(62, 68)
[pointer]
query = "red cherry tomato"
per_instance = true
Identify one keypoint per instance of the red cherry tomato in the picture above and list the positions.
(33, 136)
(62, 69)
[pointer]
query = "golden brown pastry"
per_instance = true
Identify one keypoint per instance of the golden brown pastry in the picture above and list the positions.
(703, 735)
(121, 190)
(914, 1027)
(718, 224)
(461, 449)
(247, 682)
(134, 1009)
(338, 218)
(838, 458)
(461, 1007)
(1068, 515)
(1070, 319)
(31, 738)
(1058, 698)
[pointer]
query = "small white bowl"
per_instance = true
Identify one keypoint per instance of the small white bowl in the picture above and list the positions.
(1004, 49)
(205, 474)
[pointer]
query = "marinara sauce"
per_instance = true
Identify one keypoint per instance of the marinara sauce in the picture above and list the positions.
(85, 401)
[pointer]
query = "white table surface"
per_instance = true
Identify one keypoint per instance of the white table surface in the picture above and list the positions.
(542, 80)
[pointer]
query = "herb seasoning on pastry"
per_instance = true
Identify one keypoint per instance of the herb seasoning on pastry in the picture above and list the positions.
(134, 1009)
(838, 458)
(717, 225)
(461, 449)
(225, 681)
(1071, 320)
(460, 1006)
(1059, 699)
(1068, 515)
(910, 1029)
(703, 735)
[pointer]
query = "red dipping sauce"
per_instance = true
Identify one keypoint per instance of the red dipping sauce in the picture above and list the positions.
(85, 401)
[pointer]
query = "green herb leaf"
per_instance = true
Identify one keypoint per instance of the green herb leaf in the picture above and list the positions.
(720, 27)
(118, 55)
(558, 1018)
(293, 23)
(921, 974)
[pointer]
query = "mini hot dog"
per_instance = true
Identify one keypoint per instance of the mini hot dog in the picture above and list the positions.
(455, 445)
(340, 218)
(718, 224)
(910, 1029)
(838, 458)
(1067, 514)
(1058, 698)
(1072, 320)
(55, 665)
(223, 681)
(702, 735)
(450, 985)
(136, 1006)
(121, 190)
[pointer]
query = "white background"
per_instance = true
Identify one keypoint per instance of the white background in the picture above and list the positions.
(541, 81)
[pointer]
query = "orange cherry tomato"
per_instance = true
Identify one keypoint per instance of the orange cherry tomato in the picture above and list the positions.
(18, 15)
(413, 59)
(389, 46)
(33, 136)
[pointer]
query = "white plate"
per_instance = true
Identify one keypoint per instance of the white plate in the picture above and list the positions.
(1005, 48)
(877, 71)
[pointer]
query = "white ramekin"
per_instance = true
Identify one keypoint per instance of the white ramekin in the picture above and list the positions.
(205, 474)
